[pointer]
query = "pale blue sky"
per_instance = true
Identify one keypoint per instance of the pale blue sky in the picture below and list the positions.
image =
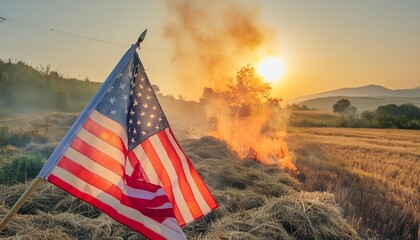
(326, 44)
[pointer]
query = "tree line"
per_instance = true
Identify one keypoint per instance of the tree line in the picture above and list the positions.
(404, 116)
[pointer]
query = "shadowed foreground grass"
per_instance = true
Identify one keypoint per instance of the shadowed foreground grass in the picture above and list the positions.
(255, 202)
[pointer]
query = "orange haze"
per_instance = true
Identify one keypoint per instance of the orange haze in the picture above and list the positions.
(213, 41)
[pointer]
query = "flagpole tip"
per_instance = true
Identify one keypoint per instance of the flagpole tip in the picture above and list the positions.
(141, 38)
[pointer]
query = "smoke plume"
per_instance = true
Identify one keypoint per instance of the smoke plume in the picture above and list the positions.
(212, 41)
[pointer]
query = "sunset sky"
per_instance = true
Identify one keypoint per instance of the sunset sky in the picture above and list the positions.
(324, 44)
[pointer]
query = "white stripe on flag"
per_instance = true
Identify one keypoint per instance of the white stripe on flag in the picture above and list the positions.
(197, 195)
(128, 168)
(173, 176)
(147, 166)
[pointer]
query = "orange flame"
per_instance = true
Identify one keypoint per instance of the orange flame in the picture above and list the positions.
(260, 147)
(248, 138)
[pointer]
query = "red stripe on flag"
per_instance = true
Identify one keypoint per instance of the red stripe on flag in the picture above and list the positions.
(163, 176)
(105, 134)
(136, 183)
(111, 211)
(98, 156)
(182, 179)
(138, 169)
(143, 205)
(211, 202)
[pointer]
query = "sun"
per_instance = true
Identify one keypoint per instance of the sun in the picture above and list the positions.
(271, 69)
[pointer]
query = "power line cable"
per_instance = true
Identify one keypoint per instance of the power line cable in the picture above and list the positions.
(33, 26)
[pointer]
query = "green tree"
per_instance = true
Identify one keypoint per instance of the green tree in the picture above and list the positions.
(368, 115)
(249, 87)
(350, 111)
(341, 105)
(394, 116)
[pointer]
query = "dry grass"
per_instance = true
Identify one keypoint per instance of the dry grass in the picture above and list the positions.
(314, 118)
(256, 202)
(373, 173)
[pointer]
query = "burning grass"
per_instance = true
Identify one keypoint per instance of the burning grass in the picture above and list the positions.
(256, 202)
(373, 173)
(249, 120)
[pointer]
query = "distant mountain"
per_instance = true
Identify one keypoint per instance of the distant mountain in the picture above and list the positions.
(365, 91)
(364, 98)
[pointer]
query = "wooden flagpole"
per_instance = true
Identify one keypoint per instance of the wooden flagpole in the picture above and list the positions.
(19, 203)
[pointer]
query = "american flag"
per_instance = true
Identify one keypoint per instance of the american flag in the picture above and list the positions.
(122, 157)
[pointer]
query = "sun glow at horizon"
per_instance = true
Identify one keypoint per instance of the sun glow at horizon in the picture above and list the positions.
(271, 69)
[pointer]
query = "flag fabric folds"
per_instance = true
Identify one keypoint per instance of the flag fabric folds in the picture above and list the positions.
(122, 157)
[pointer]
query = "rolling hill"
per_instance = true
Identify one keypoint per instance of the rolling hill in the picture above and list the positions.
(364, 91)
(364, 98)
(25, 88)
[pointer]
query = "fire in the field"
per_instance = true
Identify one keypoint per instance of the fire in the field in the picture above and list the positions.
(250, 121)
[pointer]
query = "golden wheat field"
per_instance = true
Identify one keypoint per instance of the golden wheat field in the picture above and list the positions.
(374, 174)
(369, 175)
(255, 201)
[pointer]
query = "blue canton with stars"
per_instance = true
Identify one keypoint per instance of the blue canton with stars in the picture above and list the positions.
(131, 102)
